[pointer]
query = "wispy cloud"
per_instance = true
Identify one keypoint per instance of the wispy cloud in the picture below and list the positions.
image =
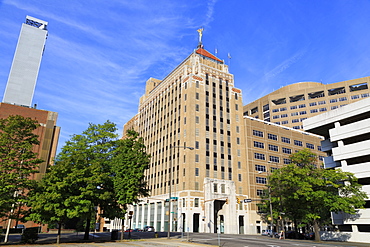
(210, 12)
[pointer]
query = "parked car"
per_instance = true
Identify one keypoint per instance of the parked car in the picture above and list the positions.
(310, 236)
(148, 229)
(294, 235)
(20, 226)
(269, 233)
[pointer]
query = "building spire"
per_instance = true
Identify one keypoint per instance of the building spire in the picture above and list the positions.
(200, 31)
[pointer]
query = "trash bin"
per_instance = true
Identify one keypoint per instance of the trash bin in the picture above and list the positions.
(114, 235)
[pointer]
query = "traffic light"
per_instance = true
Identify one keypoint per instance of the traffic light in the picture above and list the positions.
(237, 200)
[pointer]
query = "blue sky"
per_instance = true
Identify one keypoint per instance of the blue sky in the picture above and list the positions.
(99, 54)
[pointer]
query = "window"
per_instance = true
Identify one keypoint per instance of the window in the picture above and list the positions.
(196, 107)
(279, 101)
(197, 158)
(302, 106)
(333, 100)
(273, 148)
(196, 95)
(237, 129)
(259, 144)
(284, 122)
(298, 143)
(239, 177)
(236, 107)
(196, 186)
(259, 156)
(254, 110)
(313, 110)
(295, 120)
(196, 145)
(283, 109)
(319, 148)
(196, 119)
(335, 91)
(260, 168)
(196, 202)
(310, 146)
(313, 103)
(223, 188)
(333, 107)
(285, 139)
(260, 180)
(342, 98)
(275, 110)
(215, 187)
(196, 172)
(257, 133)
(284, 115)
(296, 98)
(302, 112)
(272, 136)
(260, 193)
(266, 107)
(355, 96)
(287, 150)
(294, 114)
(296, 127)
(315, 95)
(275, 117)
(274, 159)
(322, 109)
(357, 87)
(237, 140)
(364, 95)
(322, 102)
(293, 107)
(287, 161)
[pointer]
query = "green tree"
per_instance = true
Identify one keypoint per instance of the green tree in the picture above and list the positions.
(308, 193)
(18, 162)
(128, 168)
(80, 180)
(94, 169)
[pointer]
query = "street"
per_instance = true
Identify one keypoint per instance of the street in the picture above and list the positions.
(177, 239)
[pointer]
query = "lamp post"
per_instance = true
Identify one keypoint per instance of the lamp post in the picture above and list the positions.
(270, 200)
(170, 186)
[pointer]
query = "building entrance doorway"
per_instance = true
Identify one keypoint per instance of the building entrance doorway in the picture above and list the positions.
(241, 224)
(218, 217)
(195, 222)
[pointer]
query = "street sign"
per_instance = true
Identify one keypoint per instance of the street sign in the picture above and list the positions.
(174, 198)
(247, 200)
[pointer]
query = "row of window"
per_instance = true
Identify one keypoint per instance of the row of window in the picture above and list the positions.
(275, 137)
(301, 97)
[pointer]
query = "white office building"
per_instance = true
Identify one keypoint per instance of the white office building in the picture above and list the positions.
(26, 62)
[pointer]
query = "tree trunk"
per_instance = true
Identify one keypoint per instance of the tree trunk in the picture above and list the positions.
(122, 230)
(87, 229)
(59, 231)
(316, 230)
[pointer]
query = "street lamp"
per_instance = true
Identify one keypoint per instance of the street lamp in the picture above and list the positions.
(170, 186)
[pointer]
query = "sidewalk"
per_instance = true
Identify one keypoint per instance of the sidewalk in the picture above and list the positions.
(104, 239)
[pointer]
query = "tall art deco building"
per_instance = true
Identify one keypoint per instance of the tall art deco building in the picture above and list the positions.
(209, 164)
(192, 125)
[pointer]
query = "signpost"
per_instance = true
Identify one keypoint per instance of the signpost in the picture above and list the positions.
(247, 200)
